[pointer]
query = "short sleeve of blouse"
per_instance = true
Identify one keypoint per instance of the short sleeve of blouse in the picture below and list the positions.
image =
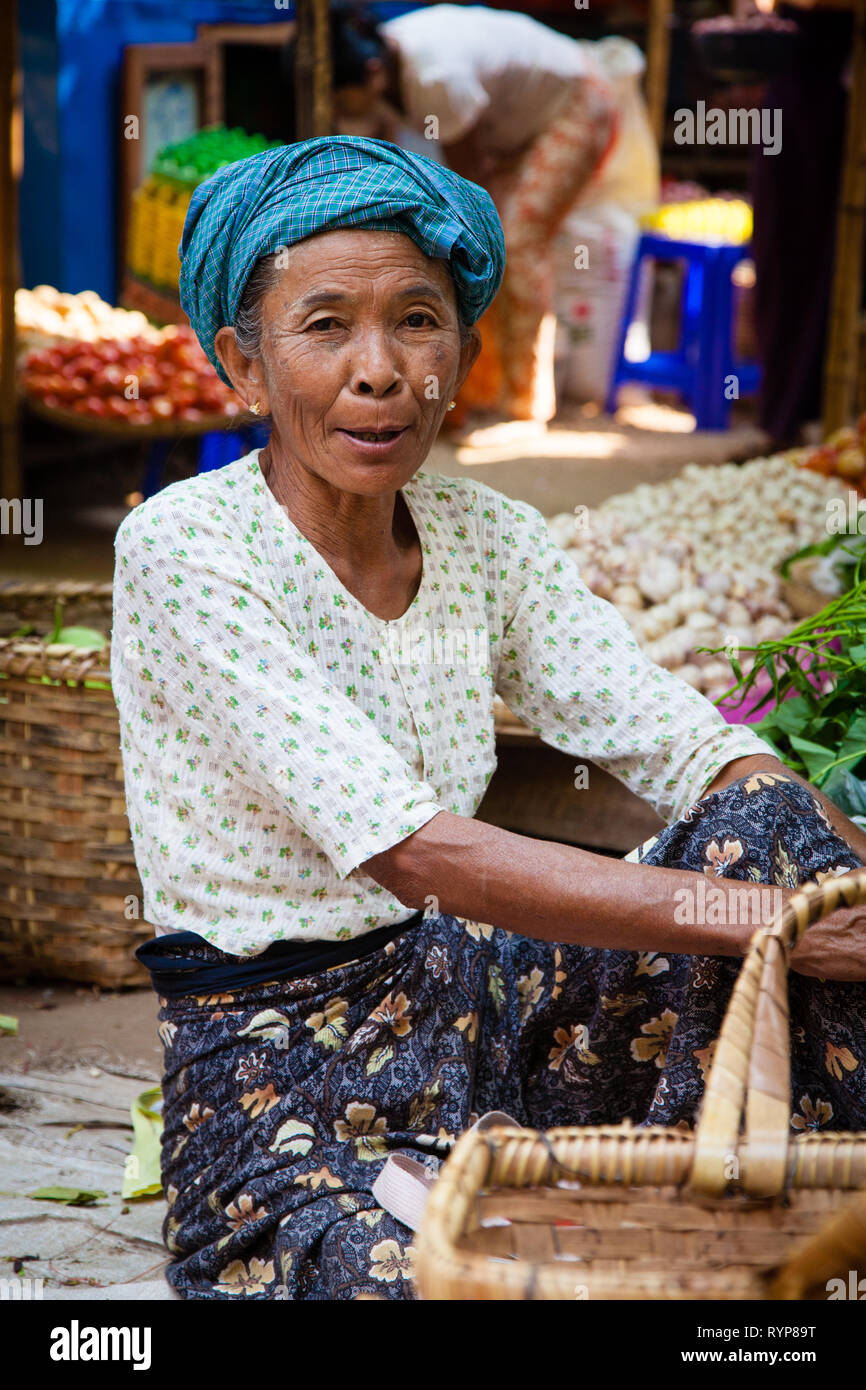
(195, 635)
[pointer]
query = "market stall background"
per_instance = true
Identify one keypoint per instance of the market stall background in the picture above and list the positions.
(71, 62)
(668, 512)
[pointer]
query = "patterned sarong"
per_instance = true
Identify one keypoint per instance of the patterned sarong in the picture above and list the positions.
(282, 1100)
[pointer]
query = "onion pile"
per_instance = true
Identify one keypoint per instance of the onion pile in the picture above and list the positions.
(692, 562)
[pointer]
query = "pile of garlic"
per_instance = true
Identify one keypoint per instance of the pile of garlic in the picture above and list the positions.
(692, 562)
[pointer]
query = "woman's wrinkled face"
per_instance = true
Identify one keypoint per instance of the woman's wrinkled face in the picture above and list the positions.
(361, 354)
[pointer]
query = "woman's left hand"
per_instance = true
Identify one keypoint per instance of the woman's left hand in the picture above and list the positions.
(835, 947)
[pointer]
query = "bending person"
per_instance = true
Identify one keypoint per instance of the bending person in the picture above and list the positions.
(512, 105)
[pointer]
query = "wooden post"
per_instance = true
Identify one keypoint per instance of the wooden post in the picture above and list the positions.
(840, 363)
(658, 55)
(11, 147)
(313, 81)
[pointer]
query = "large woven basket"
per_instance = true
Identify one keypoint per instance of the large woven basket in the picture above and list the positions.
(620, 1212)
(70, 896)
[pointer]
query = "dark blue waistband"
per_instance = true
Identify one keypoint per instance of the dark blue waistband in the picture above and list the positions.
(184, 963)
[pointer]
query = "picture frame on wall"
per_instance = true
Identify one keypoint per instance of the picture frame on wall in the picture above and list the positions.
(172, 89)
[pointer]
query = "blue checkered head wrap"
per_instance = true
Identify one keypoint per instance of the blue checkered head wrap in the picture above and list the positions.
(252, 208)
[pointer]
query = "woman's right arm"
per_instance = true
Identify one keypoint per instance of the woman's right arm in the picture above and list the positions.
(560, 893)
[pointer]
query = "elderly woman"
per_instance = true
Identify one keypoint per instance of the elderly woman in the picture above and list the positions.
(307, 647)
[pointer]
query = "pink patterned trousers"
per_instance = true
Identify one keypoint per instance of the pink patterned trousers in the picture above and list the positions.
(550, 177)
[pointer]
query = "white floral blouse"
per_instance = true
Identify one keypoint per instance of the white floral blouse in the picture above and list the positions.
(275, 734)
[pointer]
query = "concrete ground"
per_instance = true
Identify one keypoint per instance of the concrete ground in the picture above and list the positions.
(81, 1056)
(62, 1026)
(67, 1081)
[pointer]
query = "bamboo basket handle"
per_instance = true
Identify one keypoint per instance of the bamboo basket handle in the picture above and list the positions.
(751, 1067)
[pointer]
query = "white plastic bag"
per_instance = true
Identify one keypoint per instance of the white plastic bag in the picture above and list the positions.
(590, 299)
(597, 241)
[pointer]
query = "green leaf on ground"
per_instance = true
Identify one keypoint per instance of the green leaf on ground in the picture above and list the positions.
(141, 1173)
(70, 1196)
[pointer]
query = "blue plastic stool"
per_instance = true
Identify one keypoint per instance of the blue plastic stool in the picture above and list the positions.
(215, 450)
(704, 359)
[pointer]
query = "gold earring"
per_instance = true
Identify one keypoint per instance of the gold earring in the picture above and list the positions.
(452, 405)
(254, 408)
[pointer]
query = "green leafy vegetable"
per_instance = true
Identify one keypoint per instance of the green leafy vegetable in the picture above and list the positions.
(816, 676)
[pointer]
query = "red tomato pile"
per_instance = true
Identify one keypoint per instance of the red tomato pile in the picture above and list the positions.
(136, 381)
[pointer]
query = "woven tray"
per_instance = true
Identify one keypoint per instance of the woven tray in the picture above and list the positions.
(124, 430)
(70, 896)
(621, 1212)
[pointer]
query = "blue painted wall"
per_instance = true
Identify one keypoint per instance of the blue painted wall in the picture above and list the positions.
(71, 54)
(39, 194)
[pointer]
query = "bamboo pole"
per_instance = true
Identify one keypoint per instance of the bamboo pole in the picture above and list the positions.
(840, 363)
(10, 168)
(313, 80)
(658, 58)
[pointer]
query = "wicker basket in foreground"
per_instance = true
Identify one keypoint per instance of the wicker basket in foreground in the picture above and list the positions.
(621, 1212)
(70, 896)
